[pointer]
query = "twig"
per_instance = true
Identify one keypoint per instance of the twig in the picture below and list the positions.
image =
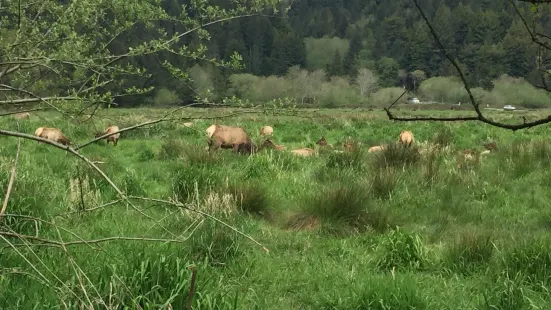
(23, 111)
(12, 179)
(191, 286)
(88, 242)
(91, 209)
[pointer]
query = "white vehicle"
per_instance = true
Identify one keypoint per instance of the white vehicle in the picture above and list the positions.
(414, 100)
(509, 107)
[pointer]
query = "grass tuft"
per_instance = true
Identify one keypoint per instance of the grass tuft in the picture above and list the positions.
(397, 155)
(384, 182)
(531, 260)
(470, 252)
(343, 209)
(443, 137)
(251, 198)
(401, 250)
(354, 159)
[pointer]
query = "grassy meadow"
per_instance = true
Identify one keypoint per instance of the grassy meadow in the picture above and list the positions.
(358, 230)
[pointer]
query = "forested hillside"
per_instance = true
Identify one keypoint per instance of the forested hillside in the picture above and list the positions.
(351, 49)
(340, 37)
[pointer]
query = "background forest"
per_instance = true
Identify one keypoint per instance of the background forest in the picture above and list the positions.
(358, 52)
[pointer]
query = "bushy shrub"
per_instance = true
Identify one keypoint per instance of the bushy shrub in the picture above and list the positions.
(386, 96)
(518, 92)
(165, 96)
(443, 137)
(443, 89)
(338, 92)
(171, 149)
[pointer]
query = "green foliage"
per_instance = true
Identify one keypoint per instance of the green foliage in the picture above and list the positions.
(188, 183)
(164, 97)
(348, 160)
(337, 93)
(531, 260)
(387, 69)
(443, 89)
(443, 137)
(95, 52)
(506, 293)
(384, 181)
(518, 92)
(385, 96)
(379, 293)
(172, 149)
(320, 52)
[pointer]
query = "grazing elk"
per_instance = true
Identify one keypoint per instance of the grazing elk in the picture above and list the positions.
(406, 137)
(52, 134)
(113, 138)
(231, 137)
(266, 131)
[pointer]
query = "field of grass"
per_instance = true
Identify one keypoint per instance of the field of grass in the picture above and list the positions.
(395, 230)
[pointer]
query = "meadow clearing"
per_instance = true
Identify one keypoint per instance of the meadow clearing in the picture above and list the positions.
(389, 230)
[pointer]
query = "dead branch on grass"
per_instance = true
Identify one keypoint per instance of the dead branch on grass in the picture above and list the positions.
(191, 286)
(181, 205)
(12, 179)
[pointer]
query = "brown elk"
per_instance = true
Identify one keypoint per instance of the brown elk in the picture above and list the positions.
(113, 138)
(406, 137)
(231, 137)
(52, 134)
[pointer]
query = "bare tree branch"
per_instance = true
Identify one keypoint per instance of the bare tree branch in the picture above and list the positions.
(22, 111)
(54, 243)
(37, 99)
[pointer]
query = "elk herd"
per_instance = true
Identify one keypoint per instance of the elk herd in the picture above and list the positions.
(237, 139)
(222, 136)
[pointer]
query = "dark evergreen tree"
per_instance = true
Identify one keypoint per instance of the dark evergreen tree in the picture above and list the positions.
(336, 67)
(349, 61)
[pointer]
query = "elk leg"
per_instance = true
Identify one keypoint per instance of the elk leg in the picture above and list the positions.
(213, 147)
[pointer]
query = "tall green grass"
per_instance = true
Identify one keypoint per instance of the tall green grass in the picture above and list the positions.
(399, 229)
